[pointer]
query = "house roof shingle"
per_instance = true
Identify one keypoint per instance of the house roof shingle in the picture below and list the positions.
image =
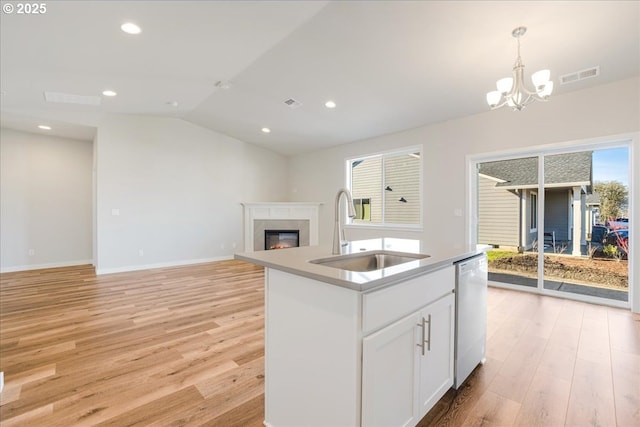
(569, 168)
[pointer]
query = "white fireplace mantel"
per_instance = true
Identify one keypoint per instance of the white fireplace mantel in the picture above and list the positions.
(256, 211)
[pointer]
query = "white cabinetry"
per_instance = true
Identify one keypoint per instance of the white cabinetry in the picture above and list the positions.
(338, 357)
(390, 375)
(436, 365)
(408, 366)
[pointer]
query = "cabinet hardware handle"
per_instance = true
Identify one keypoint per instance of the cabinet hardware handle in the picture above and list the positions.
(421, 345)
(428, 341)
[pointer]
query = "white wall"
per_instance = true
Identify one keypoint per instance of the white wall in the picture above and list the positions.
(178, 188)
(587, 114)
(45, 201)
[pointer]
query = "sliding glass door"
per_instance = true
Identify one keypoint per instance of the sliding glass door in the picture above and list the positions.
(508, 219)
(586, 249)
(558, 222)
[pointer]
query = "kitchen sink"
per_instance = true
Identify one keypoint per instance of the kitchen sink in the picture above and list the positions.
(369, 261)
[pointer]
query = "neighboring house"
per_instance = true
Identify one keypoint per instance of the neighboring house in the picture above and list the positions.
(508, 201)
(593, 211)
(392, 193)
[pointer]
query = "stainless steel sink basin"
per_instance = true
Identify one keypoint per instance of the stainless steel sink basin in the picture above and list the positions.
(369, 261)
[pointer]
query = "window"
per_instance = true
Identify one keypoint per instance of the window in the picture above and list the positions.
(386, 188)
(533, 205)
(363, 209)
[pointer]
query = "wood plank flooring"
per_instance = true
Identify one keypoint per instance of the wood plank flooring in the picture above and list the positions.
(184, 346)
(177, 346)
(550, 362)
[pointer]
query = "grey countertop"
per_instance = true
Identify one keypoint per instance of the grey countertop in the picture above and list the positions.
(296, 261)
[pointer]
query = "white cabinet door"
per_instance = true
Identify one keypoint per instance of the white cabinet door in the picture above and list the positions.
(436, 365)
(390, 374)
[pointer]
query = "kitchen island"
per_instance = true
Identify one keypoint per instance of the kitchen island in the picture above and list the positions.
(357, 348)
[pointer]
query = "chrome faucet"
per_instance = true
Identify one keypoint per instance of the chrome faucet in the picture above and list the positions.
(338, 232)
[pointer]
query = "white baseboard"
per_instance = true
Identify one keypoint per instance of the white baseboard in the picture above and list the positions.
(47, 265)
(100, 271)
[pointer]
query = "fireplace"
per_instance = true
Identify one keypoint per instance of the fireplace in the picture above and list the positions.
(281, 239)
(279, 216)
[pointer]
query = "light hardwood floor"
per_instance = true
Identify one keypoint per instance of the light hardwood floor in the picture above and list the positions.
(184, 346)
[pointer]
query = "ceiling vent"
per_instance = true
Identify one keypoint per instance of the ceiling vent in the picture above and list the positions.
(223, 84)
(292, 103)
(580, 75)
(67, 98)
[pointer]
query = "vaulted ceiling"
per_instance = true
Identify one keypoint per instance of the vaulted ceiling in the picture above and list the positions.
(230, 65)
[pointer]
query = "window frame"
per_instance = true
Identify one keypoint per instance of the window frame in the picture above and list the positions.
(533, 211)
(388, 153)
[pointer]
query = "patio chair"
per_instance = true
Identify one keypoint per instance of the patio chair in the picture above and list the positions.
(550, 240)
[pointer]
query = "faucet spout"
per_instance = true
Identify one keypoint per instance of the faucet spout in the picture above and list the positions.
(338, 232)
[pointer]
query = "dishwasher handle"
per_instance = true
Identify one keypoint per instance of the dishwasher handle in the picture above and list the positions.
(472, 264)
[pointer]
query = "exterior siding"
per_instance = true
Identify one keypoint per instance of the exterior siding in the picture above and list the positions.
(498, 214)
(402, 175)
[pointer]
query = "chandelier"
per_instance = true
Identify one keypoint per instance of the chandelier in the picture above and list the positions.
(511, 90)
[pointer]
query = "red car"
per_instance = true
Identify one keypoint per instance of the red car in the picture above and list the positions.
(617, 237)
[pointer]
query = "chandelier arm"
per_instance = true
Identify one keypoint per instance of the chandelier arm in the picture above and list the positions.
(529, 100)
(540, 98)
(502, 104)
(527, 91)
(520, 105)
(518, 80)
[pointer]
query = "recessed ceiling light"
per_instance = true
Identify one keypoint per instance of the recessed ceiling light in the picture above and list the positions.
(330, 104)
(173, 104)
(44, 127)
(130, 28)
(266, 130)
(109, 93)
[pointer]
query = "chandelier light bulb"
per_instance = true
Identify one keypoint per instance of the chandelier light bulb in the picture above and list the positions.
(493, 98)
(546, 91)
(504, 85)
(540, 78)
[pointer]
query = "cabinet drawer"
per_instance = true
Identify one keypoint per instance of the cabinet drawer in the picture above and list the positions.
(387, 305)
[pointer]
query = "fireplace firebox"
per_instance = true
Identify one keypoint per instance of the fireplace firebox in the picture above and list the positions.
(281, 239)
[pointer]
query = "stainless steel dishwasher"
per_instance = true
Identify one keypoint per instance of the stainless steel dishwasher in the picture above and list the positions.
(471, 316)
